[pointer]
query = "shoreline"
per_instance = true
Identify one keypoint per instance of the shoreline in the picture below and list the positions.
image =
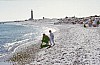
(74, 44)
(25, 51)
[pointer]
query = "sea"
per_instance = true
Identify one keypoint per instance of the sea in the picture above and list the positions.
(13, 35)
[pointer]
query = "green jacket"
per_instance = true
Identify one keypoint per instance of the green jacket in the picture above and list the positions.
(45, 39)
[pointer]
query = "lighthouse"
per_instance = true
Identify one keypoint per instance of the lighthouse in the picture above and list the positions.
(31, 14)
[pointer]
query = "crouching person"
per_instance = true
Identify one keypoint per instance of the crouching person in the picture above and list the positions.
(45, 41)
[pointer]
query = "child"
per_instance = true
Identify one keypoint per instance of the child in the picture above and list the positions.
(46, 40)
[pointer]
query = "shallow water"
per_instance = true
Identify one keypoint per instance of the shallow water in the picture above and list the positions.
(12, 35)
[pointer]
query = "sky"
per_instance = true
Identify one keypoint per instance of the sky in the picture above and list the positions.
(20, 9)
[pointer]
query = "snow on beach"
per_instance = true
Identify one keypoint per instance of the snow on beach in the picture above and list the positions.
(74, 45)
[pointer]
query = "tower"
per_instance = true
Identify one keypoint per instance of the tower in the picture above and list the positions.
(31, 14)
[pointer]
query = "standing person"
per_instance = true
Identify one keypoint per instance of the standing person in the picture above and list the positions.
(90, 23)
(84, 25)
(46, 40)
(94, 23)
(97, 23)
(51, 38)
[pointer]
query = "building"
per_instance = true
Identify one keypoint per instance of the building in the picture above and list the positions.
(31, 15)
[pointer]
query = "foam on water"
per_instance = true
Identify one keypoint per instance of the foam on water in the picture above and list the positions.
(26, 35)
(12, 36)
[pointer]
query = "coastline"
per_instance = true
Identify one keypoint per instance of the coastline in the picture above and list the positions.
(74, 44)
(27, 50)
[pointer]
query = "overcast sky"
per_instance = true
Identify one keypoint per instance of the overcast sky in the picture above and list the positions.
(20, 9)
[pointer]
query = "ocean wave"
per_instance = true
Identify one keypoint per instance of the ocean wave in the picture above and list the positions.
(9, 47)
(16, 36)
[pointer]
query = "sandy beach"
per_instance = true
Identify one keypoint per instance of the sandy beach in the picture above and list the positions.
(74, 45)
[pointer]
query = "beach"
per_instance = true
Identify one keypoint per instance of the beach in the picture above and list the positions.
(74, 45)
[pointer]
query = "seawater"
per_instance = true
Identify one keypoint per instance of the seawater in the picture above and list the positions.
(12, 35)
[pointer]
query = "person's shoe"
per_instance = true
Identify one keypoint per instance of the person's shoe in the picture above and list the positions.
(49, 47)
(53, 44)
